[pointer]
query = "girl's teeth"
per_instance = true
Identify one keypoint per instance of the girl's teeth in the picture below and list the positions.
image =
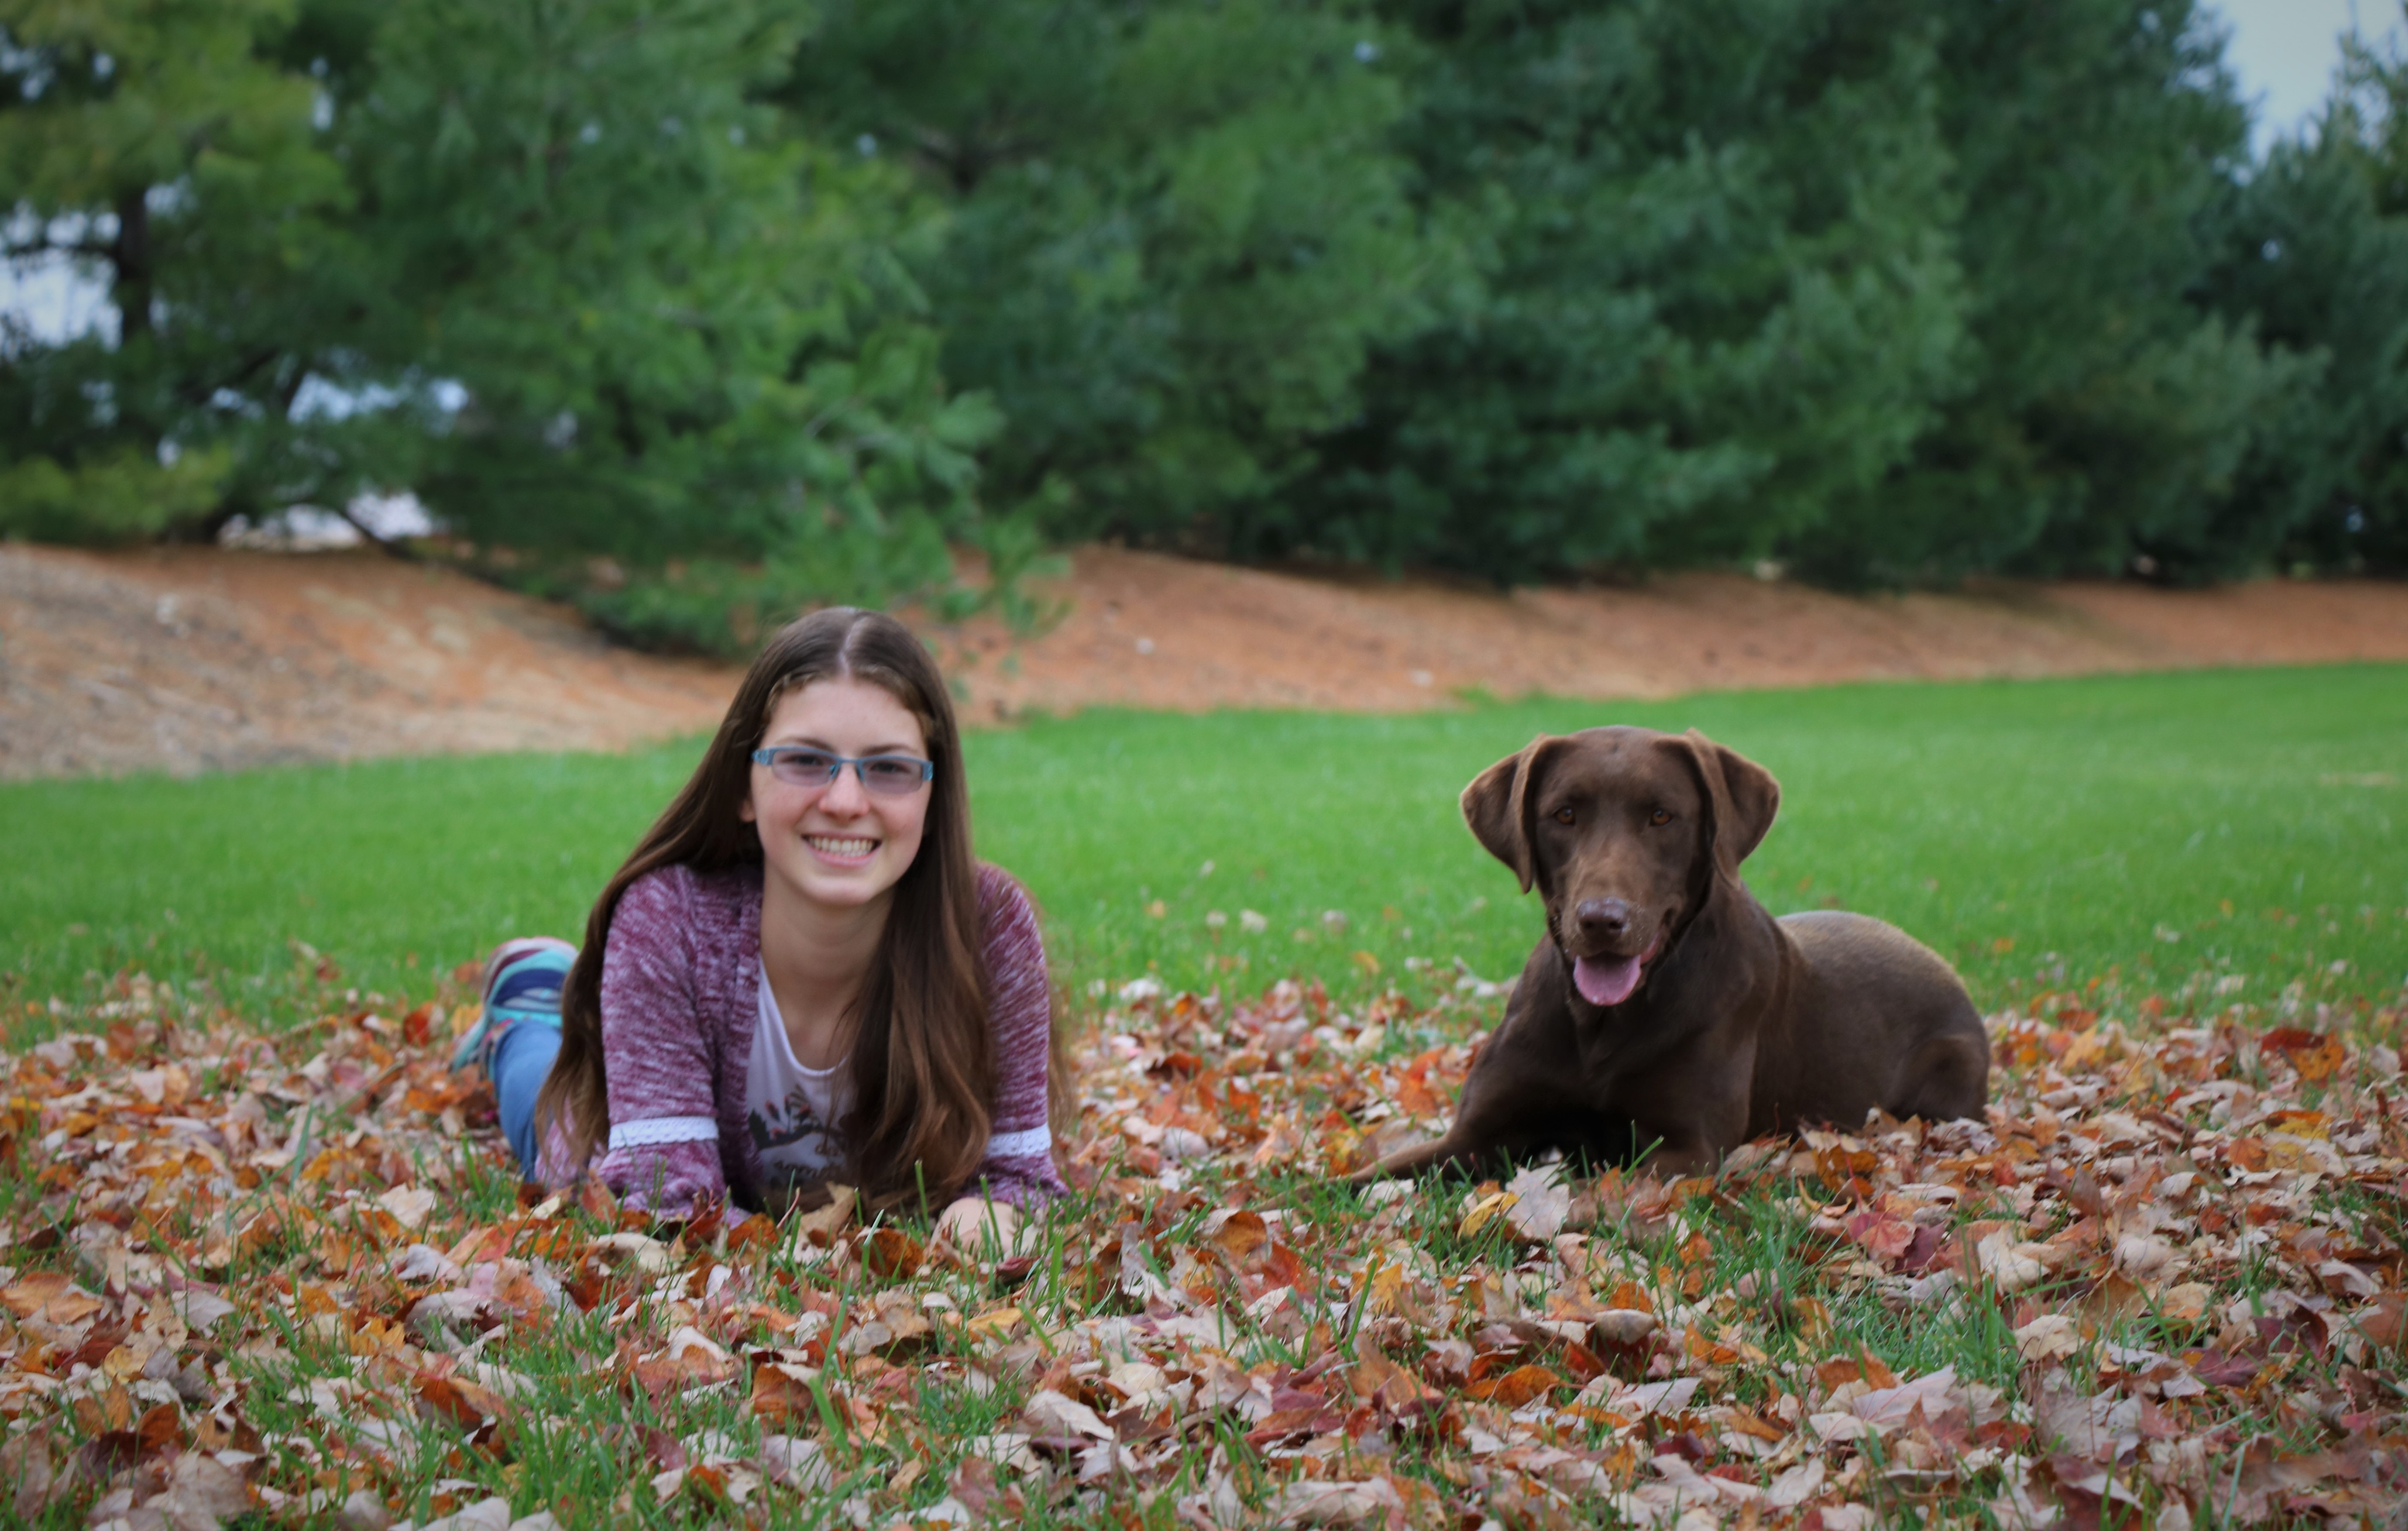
(844, 848)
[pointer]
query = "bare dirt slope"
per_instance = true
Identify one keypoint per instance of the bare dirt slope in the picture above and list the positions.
(193, 659)
(196, 659)
(1148, 631)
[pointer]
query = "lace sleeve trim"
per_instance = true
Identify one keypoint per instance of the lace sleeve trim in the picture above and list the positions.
(663, 1129)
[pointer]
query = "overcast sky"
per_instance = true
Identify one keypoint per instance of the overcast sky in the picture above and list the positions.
(2283, 51)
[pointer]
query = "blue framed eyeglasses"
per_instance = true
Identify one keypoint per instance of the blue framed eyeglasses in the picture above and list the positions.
(885, 776)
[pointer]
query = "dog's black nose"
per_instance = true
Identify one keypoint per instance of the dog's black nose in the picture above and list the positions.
(1604, 919)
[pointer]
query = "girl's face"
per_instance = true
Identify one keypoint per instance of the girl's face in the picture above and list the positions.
(839, 845)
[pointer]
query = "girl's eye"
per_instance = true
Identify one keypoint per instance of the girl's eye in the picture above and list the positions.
(1660, 817)
(1563, 816)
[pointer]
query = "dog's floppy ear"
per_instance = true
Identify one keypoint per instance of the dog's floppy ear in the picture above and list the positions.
(1496, 806)
(1742, 795)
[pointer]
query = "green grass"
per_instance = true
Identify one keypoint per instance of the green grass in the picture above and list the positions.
(2238, 824)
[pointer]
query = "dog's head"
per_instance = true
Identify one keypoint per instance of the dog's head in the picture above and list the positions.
(1623, 832)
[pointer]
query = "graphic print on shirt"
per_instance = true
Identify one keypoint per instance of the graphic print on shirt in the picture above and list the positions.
(792, 1112)
(791, 1132)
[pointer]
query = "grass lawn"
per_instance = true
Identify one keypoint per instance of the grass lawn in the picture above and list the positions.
(268, 1260)
(2240, 828)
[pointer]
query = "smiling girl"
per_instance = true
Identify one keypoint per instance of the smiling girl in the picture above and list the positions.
(800, 975)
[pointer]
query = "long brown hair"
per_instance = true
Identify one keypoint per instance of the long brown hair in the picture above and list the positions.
(922, 1061)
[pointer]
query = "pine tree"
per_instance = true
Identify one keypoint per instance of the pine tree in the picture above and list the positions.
(1176, 231)
(1715, 288)
(161, 150)
(2105, 407)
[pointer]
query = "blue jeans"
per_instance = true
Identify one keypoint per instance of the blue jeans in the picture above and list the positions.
(522, 1061)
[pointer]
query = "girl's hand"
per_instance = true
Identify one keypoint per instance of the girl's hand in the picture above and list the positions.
(981, 1229)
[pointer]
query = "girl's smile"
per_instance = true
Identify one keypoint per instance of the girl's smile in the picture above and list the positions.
(847, 853)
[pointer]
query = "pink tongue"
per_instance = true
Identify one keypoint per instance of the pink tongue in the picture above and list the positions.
(1605, 982)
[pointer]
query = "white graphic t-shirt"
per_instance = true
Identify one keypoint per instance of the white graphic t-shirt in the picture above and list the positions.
(792, 1111)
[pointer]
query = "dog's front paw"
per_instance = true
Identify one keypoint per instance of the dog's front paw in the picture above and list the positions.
(1378, 1172)
(1675, 1162)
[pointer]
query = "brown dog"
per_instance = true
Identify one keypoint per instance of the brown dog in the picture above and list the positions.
(1665, 1006)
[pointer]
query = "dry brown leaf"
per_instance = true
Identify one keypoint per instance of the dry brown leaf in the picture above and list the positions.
(1486, 1207)
(782, 1391)
(201, 1494)
(820, 1228)
(1377, 1379)
(411, 1205)
(1340, 1503)
(49, 1295)
(2317, 1055)
(465, 1403)
(1239, 1234)
(890, 1254)
(895, 1326)
(1050, 1417)
(29, 1472)
(1540, 1203)
(1516, 1387)
(1623, 1325)
(2187, 1303)
(2048, 1338)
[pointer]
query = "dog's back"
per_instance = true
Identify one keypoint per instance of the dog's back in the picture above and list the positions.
(1877, 1018)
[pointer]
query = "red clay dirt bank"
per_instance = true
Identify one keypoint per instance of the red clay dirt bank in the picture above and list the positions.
(193, 659)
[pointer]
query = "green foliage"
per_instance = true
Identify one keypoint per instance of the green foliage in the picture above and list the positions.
(158, 146)
(681, 334)
(1894, 291)
(699, 313)
(120, 496)
(2104, 411)
(2316, 248)
(547, 264)
(1176, 231)
(1716, 289)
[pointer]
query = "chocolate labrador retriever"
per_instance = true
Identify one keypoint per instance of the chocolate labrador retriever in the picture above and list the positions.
(1666, 1007)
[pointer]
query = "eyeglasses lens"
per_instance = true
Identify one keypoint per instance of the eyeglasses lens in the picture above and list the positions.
(887, 776)
(803, 768)
(891, 775)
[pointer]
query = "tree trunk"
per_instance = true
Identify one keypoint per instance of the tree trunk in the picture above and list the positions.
(133, 260)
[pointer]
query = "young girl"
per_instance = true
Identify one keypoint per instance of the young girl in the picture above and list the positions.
(800, 975)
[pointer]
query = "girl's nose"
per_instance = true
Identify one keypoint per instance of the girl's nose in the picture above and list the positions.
(844, 797)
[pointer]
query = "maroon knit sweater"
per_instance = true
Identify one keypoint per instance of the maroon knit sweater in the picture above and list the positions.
(681, 976)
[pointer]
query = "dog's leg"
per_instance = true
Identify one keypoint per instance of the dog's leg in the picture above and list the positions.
(1504, 1113)
(1945, 1078)
(1524, 1087)
(1674, 1160)
(1441, 1152)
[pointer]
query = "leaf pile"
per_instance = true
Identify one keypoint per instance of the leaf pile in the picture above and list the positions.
(290, 1276)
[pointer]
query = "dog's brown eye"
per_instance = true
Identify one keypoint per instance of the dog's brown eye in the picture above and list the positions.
(1660, 817)
(1563, 816)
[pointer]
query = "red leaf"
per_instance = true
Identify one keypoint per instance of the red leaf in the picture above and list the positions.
(1884, 1236)
(1517, 1387)
(891, 1255)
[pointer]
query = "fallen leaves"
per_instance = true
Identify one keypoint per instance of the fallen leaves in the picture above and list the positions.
(269, 1278)
(2051, 1337)
(50, 1296)
(409, 1204)
(2317, 1055)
